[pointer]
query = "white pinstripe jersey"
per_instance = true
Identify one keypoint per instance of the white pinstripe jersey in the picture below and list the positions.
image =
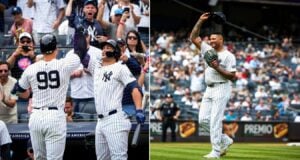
(49, 80)
(4, 134)
(226, 60)
(109, 84)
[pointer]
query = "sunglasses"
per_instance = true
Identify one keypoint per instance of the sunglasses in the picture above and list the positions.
(132, 37)
(25, 41)
(5, 71)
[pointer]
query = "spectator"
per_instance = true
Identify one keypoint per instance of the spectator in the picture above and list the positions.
(169, 113)
(23, 56)
(88, 22)
(230, 116)
(134, 13)
(107, 9)
(260, 93)
(246, 117)
(70, 114)
(144, 25)
(135, 46)
(296, 99)
(8, 104)
(27, 12)
(20, 24)
(111, 27)
(47, 17)
(261, 106)
(3, 5)
(283, 104)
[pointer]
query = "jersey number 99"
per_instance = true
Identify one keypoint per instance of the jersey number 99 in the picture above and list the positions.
(50, 79)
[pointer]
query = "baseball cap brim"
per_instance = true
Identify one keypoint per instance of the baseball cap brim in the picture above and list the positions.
(25, 34)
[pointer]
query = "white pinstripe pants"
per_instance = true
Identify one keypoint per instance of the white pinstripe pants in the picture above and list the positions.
(48, 134)
(212, 112)
(112, 137)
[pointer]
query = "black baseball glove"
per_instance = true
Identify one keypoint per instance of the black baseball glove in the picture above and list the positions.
(210, 56)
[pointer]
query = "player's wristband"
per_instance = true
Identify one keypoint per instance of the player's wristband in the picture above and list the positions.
(122, 23)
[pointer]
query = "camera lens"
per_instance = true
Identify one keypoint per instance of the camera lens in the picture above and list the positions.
(25, 48)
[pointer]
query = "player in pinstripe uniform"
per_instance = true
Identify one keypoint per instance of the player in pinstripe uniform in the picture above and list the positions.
(110, 79)
(48, 80)
(218, 75)
(5, 142)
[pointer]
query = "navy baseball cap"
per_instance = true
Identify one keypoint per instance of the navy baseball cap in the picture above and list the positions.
(16, 10)
(93, 2)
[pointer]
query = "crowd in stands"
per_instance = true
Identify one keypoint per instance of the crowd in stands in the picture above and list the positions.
(24, 22)
(267, 85)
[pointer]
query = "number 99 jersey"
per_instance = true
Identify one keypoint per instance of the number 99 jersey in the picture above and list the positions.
(49, 80)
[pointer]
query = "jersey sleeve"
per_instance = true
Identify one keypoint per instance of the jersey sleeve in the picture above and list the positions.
(125, 75)
(4, 134)
(71, 61)
(60, 4)
(231, 64)
(24, 80)
(205, 47)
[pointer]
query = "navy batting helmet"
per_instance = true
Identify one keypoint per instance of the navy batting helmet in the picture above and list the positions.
(48, 44)
(116, 53)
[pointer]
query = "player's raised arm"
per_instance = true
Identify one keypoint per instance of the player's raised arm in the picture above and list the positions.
(194, 37)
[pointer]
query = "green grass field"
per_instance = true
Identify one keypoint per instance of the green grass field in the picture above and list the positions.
(238, 151)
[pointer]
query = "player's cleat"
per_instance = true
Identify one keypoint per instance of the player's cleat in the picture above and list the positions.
(225, 148)
(212, 155)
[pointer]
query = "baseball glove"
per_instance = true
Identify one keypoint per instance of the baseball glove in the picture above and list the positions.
(210, 56)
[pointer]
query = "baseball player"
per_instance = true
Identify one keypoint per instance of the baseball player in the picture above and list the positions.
(110, 79)
(218, 74)
(48, 80)
(5, 142)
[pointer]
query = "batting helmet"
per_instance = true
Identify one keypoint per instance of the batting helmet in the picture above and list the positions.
(48, 44)
(116, 53)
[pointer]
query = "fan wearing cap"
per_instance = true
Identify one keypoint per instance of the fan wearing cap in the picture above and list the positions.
(110, 79)
(169, 113)
(20, 24)
(87, 22)
(47, 17)
(111, 27)
(132, 9)
(23, 56)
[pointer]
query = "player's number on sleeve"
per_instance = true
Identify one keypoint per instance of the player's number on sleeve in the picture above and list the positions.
(50, 79)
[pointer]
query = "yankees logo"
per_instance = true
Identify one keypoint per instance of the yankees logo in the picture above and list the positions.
(106, 76)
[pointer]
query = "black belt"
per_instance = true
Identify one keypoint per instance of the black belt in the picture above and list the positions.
(49, 108)
(109, 113)
(213, 84)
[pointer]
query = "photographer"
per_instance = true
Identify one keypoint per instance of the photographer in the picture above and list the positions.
(133, 10)
(88, 22)
(23, 56)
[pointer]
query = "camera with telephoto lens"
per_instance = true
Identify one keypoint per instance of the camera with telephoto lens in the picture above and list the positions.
(25, 48)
